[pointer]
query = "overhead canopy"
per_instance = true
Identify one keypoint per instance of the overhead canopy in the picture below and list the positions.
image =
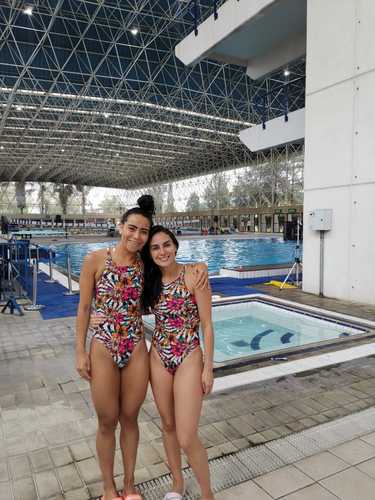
(91, 93)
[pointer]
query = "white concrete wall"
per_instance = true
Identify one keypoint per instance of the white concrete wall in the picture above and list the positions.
(340, 146)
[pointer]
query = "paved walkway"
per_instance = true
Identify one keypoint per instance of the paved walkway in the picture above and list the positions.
(47, 422)
(345, 472)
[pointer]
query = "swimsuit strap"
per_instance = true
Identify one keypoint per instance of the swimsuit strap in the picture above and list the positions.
(181, 276)
(178, 281)
(109, 259)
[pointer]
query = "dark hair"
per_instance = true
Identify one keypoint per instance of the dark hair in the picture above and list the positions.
(152, 272)
(146, 207)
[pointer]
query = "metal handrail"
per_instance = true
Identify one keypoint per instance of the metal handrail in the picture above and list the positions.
(262, 107)
(196, 15)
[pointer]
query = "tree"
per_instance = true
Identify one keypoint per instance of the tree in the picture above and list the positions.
(46, 195)
(84, 191)
(158, 192)
(42, 198)
(112, 203)
(193, 203)
(7, 197)
(257, 187)
(217, 195)
(240, 193)
(64, 192)
(170, 199)
(21, 196)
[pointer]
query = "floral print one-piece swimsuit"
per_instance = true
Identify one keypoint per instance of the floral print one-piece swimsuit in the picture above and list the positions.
(176, 332)
(118, 298)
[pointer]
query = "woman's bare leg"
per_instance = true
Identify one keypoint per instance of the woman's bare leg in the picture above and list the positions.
(134, 381)
(188, 388)
(162, 388)
(105, 390)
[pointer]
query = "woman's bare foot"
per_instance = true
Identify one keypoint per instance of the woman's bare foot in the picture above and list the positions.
(110, 493)
(129, 489)
(178, 486)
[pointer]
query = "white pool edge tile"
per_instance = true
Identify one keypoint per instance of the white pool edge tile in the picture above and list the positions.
(291, 367)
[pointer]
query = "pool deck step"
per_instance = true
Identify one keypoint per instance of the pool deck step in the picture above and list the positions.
(259, 271)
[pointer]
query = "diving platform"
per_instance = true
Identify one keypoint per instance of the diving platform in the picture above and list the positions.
(236, 36)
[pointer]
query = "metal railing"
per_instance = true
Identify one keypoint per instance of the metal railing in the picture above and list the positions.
(279, 97)
(196, 12)
(19, 269)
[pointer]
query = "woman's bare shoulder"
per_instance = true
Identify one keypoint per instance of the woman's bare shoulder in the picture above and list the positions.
(95, 258)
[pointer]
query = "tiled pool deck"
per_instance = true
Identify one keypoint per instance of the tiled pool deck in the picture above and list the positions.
(345, 472)
(47, 423)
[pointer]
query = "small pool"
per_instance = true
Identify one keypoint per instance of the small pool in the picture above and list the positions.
(216, 253)
(256, 327)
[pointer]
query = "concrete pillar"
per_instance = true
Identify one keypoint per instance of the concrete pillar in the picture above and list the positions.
(340, 146)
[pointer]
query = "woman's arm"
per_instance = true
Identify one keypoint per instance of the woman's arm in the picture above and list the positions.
(203, 298)
(86, 290)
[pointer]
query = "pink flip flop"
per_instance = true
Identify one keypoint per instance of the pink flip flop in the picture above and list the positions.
(116, 498)
(132, 496)
(172, 495)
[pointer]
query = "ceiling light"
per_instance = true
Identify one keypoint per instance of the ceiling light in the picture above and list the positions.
(28, 10)
(117, 154)
(19, 108)
(286, 72)
(134, 31)
(106, 115)
(1, 147)
(62, 150)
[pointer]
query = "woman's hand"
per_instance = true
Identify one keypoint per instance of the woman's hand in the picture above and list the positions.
(96, 320)
(200, 275)
(207, 380)
(83, 365)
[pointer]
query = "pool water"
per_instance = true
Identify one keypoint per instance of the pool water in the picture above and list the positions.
(216, 253)
(254, 328)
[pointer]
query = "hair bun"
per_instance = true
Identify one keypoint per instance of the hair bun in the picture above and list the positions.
(146, 203)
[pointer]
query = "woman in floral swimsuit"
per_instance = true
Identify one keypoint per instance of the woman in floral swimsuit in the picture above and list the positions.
(118, 355)
(180, 374)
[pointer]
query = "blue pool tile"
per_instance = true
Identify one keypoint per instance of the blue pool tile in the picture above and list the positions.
(240, 343)
(255, 342)
(285, 339)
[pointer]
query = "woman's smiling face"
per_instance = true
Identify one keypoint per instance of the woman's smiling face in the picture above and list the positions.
(162, 249)
(134, 232)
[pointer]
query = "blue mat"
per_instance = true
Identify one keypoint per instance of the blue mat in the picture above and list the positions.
(51, 295)
(240, 286)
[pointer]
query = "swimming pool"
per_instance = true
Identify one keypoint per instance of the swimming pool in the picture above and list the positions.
(255, 327)
(216, 253)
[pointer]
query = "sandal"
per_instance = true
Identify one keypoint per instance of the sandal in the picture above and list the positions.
(172, 495)
(132, 496)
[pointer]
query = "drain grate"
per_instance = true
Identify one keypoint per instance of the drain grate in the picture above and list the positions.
(244, 465)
